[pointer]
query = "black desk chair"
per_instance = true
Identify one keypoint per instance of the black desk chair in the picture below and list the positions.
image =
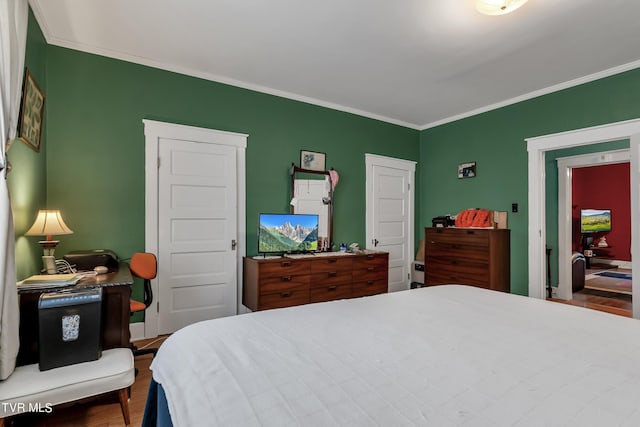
(145, 266)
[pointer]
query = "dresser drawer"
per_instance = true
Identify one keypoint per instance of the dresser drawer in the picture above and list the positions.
(371, 273)
(468, 237)
(282, 283)
(286, 298)
(330, 278)
(438, 273)
(330, 292)
(456, 250)
(370, 260)
(326, 264)
(284, 267)
(438, 279)
(369, 287)
(457, 265)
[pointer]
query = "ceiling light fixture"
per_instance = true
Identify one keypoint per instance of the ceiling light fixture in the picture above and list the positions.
(498, 7)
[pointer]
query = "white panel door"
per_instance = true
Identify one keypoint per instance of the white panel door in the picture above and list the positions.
(196, 231)
(390, 216)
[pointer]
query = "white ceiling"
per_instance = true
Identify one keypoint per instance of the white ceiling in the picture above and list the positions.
(418, 63)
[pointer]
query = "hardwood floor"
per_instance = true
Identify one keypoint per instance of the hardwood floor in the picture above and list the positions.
(102, 411)
(610, 302)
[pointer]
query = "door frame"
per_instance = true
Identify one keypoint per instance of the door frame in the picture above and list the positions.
(536, 148)
(391, 162)
(153, 132)
(565, 193)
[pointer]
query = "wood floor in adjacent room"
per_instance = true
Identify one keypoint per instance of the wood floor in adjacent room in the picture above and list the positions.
(595, 298)
(102, 411)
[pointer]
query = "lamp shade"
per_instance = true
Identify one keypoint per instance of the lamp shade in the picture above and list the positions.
(48, 223)
(498, 7)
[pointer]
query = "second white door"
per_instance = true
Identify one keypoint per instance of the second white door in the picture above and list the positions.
(390, 214)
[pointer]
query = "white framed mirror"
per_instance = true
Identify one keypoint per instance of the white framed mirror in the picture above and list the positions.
(312, 193)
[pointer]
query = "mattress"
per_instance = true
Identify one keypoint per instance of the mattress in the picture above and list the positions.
(438, 356)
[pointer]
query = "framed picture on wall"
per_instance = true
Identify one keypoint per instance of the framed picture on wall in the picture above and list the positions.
(312, 160)
(467, 170)
(31, 113)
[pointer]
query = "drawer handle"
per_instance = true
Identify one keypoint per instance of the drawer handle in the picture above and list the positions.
(285, 263)
(285, 294)
(332, 260)
(332, 288)
(454, 262)
(453, 278)
(332, 273)
(371, 269)
(370, 256)
(369, 282)
(471, 232)
(285, 278)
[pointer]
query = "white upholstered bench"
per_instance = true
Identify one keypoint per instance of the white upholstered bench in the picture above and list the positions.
(29, 389)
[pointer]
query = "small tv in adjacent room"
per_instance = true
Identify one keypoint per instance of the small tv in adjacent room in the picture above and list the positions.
(282, 233)
(595, 220)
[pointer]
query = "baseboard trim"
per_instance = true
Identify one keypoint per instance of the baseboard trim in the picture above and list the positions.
(136, 330)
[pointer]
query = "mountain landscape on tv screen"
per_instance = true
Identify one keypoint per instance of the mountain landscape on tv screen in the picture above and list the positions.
(288, 238)
(593, 220)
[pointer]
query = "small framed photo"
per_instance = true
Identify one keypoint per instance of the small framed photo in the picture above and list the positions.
(31, 113)
(312, 160)
(467, 170)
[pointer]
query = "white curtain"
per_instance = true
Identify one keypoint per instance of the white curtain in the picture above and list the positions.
(14, 17)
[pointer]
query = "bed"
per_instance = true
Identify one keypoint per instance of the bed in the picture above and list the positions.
(437, 356)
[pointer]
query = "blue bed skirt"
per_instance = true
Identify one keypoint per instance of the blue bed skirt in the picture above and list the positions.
(156, 410)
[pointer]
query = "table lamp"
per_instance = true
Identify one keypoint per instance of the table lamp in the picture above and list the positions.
(48, 223)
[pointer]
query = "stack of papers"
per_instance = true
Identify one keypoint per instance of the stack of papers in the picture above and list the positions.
(43, 281)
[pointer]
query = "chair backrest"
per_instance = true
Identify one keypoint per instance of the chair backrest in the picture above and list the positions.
(145, 266)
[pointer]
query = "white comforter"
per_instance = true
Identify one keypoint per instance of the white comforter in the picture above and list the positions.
(440, 356)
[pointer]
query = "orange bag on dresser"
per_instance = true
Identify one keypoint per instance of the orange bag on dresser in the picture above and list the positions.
(474, 218)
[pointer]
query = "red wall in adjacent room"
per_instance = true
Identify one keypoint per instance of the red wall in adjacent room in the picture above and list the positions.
(604, 187)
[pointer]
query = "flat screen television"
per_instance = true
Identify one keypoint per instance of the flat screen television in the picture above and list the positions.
(280, 233)
(595, 220)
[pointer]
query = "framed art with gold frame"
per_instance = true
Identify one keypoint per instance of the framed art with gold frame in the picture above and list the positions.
(31, 113)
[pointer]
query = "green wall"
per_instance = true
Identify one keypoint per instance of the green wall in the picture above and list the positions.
(95, 163)
(96, 145)
(496, 141)
(27, 180)
(91, 163)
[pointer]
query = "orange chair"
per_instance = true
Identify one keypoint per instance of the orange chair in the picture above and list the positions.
(145, 266)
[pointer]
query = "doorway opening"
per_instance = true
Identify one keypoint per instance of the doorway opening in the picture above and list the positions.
(537, 147)
(599, 271)
(194, 222)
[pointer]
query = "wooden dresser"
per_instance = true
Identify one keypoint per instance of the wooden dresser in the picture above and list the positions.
(470, 256)
(283, 282)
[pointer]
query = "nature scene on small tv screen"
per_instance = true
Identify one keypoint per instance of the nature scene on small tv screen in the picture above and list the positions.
(595, 220)
(288, 233)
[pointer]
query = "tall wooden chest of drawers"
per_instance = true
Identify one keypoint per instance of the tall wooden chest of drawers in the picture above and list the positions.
(469, 256)
(287, 281)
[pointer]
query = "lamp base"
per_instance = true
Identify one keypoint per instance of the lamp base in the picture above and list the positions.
(49, 246)
(49, 263)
